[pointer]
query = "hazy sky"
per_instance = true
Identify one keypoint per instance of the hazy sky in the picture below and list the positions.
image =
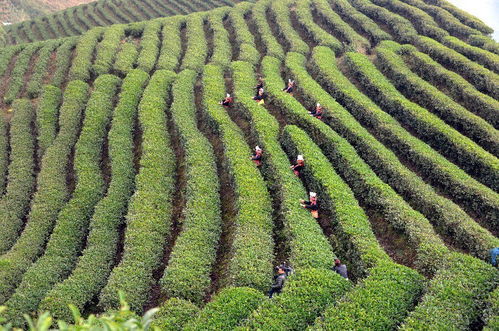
(486, 10)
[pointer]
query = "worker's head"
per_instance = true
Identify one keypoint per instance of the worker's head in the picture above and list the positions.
(337, 262)
(258, 149)
(318, 105)
(313, 195)
(280, 271)
(228, 95)
(260, 91)
(300, 158)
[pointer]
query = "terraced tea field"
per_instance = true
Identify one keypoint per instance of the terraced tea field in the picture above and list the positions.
(120, 170)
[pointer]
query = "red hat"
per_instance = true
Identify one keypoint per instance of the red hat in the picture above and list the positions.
(337, 261)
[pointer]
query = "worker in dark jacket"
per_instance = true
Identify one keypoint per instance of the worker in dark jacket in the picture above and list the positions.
(257, 156)
(289, 87)
(260, 97)
(299, 165)
(311, 205)
(317, 111)
(279, 280)
(340, 268)
(227, 101)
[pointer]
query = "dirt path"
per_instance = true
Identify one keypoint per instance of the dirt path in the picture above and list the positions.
(227, 201)
(179, 197)
(208, 32)
(49, 29)
(232, 38)
(29, 73)
(183, 42)
(4, 85)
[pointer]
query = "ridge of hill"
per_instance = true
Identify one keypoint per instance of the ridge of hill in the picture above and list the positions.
(121, 171)
(78, 19)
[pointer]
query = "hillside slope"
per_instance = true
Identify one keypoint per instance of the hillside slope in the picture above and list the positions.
(121, 171)
(77, 20)
(14, 11)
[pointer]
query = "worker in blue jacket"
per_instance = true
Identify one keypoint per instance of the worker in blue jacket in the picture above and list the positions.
(494, 252)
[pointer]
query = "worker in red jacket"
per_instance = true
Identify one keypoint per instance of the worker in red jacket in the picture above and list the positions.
(257, 156)
(298, 166)
(317, 111)
(311, 205)
(227, 101)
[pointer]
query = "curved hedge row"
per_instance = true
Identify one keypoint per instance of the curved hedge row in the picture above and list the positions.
(68, 237)
(40, 68)
(308, 247)
(461, 90)
(94, 265)
(242, 34)
(441, 172)
(21, 174)
(483, 79)
(462, 16)
(458, 148)
(432, 255)
(487, 59)
(279, 14)
(105, 51)
(399, 286)
(455, 295)
(444, 19)
(3, 37)
(359, 176)
(380, 302)
(171, 48)
(149, 46)
(174, 314)
(52, 192)
(63, 61)
(46, 117)
(357, 241)
(197, 47)
(227, 309)
(314, 31)
(149, 215)
(322, 9)
(423, 22)
(306, 294)
(484, 42)
(363, 23)
(126, 58)
(269, 42)
(81, 65)
(252, 247)
(7, 55)
(401, 28)
(187, 275)
(4, 153)
(222, 51)
(491, 314)
(16, 82)
(429, 97)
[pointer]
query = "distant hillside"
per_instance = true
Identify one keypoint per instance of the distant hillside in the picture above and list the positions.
(77, 20)
(14, 11)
